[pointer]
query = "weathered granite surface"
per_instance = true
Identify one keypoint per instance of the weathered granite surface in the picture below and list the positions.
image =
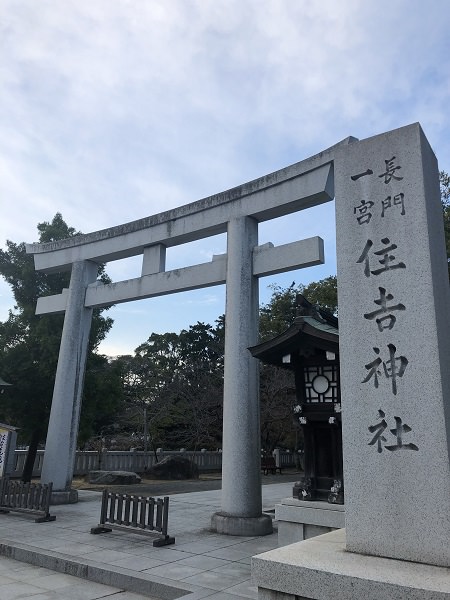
(321, 569)
(394, 302)
(300, 520)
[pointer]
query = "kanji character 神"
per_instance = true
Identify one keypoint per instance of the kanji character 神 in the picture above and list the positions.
(392, 368)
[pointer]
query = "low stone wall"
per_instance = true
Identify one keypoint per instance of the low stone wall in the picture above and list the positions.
(206, 461)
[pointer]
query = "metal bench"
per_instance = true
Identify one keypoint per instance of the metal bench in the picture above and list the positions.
(30, 498)
(268, 464)
(136, 514)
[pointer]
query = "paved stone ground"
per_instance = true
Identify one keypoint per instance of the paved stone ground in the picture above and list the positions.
(201, 563)
(21, 580)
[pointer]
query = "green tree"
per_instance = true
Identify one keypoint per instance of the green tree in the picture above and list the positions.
(277, 399)
(279, 313)
(175, 382)
(198, 385)
(444, 179)
(29, 345)
(147, 404)
(323, 293)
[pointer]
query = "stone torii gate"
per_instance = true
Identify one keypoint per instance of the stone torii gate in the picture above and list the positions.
(392, 274)
(236, 212)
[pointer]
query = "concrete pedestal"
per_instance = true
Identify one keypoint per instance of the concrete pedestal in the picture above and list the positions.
(231, 525)
(321, 569)
(300, 520)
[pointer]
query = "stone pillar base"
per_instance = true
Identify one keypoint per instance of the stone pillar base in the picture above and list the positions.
(64, 497)
(301, 519)
(232, 525)
(322, 569)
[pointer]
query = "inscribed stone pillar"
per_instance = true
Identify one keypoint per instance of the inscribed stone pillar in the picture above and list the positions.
(8, 438)
(241, 512)
(62, 434)
(394, 348)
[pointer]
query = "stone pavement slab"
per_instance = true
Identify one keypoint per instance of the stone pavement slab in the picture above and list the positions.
(20, 580)
(201, 564)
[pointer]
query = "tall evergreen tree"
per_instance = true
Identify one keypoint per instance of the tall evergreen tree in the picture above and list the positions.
(175, 381)
(29, 345)
(278, 314)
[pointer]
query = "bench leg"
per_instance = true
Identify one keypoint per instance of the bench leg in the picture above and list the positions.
(45, 519)
(164, 541)
(100, 529)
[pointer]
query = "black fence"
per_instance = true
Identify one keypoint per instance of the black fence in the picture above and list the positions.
(31, 498)
(137, 514)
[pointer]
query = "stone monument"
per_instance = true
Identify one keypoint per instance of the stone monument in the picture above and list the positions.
(8, 438)
(395, 348)
(394, 307)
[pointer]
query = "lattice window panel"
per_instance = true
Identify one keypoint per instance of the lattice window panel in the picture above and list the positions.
(321, 384)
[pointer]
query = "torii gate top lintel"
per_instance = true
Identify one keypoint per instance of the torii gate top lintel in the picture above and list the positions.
(304, 184)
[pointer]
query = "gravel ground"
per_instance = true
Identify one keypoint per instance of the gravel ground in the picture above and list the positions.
(158, 487)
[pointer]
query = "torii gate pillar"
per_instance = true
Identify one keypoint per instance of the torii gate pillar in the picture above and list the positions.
(65, 414)
(241, 512)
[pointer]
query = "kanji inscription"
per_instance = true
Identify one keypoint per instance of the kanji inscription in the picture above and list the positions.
(3, 442)
(391, 168)
(378, 258)
(387, 259)
(387, 321)
(400, 429)
(393, 368)
(367, 207)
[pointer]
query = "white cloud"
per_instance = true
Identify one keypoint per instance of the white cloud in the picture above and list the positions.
(112, 111)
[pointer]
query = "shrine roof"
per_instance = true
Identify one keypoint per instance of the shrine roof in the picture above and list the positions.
(306, 332)
(8, 427)
(321, 326)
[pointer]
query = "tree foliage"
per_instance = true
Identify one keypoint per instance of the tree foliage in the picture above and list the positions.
(277, 399)
(29, 344)
(176, 382)
(279, 313)
(444, 179)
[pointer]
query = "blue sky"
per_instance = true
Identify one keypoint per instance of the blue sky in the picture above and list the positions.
(113, 110)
